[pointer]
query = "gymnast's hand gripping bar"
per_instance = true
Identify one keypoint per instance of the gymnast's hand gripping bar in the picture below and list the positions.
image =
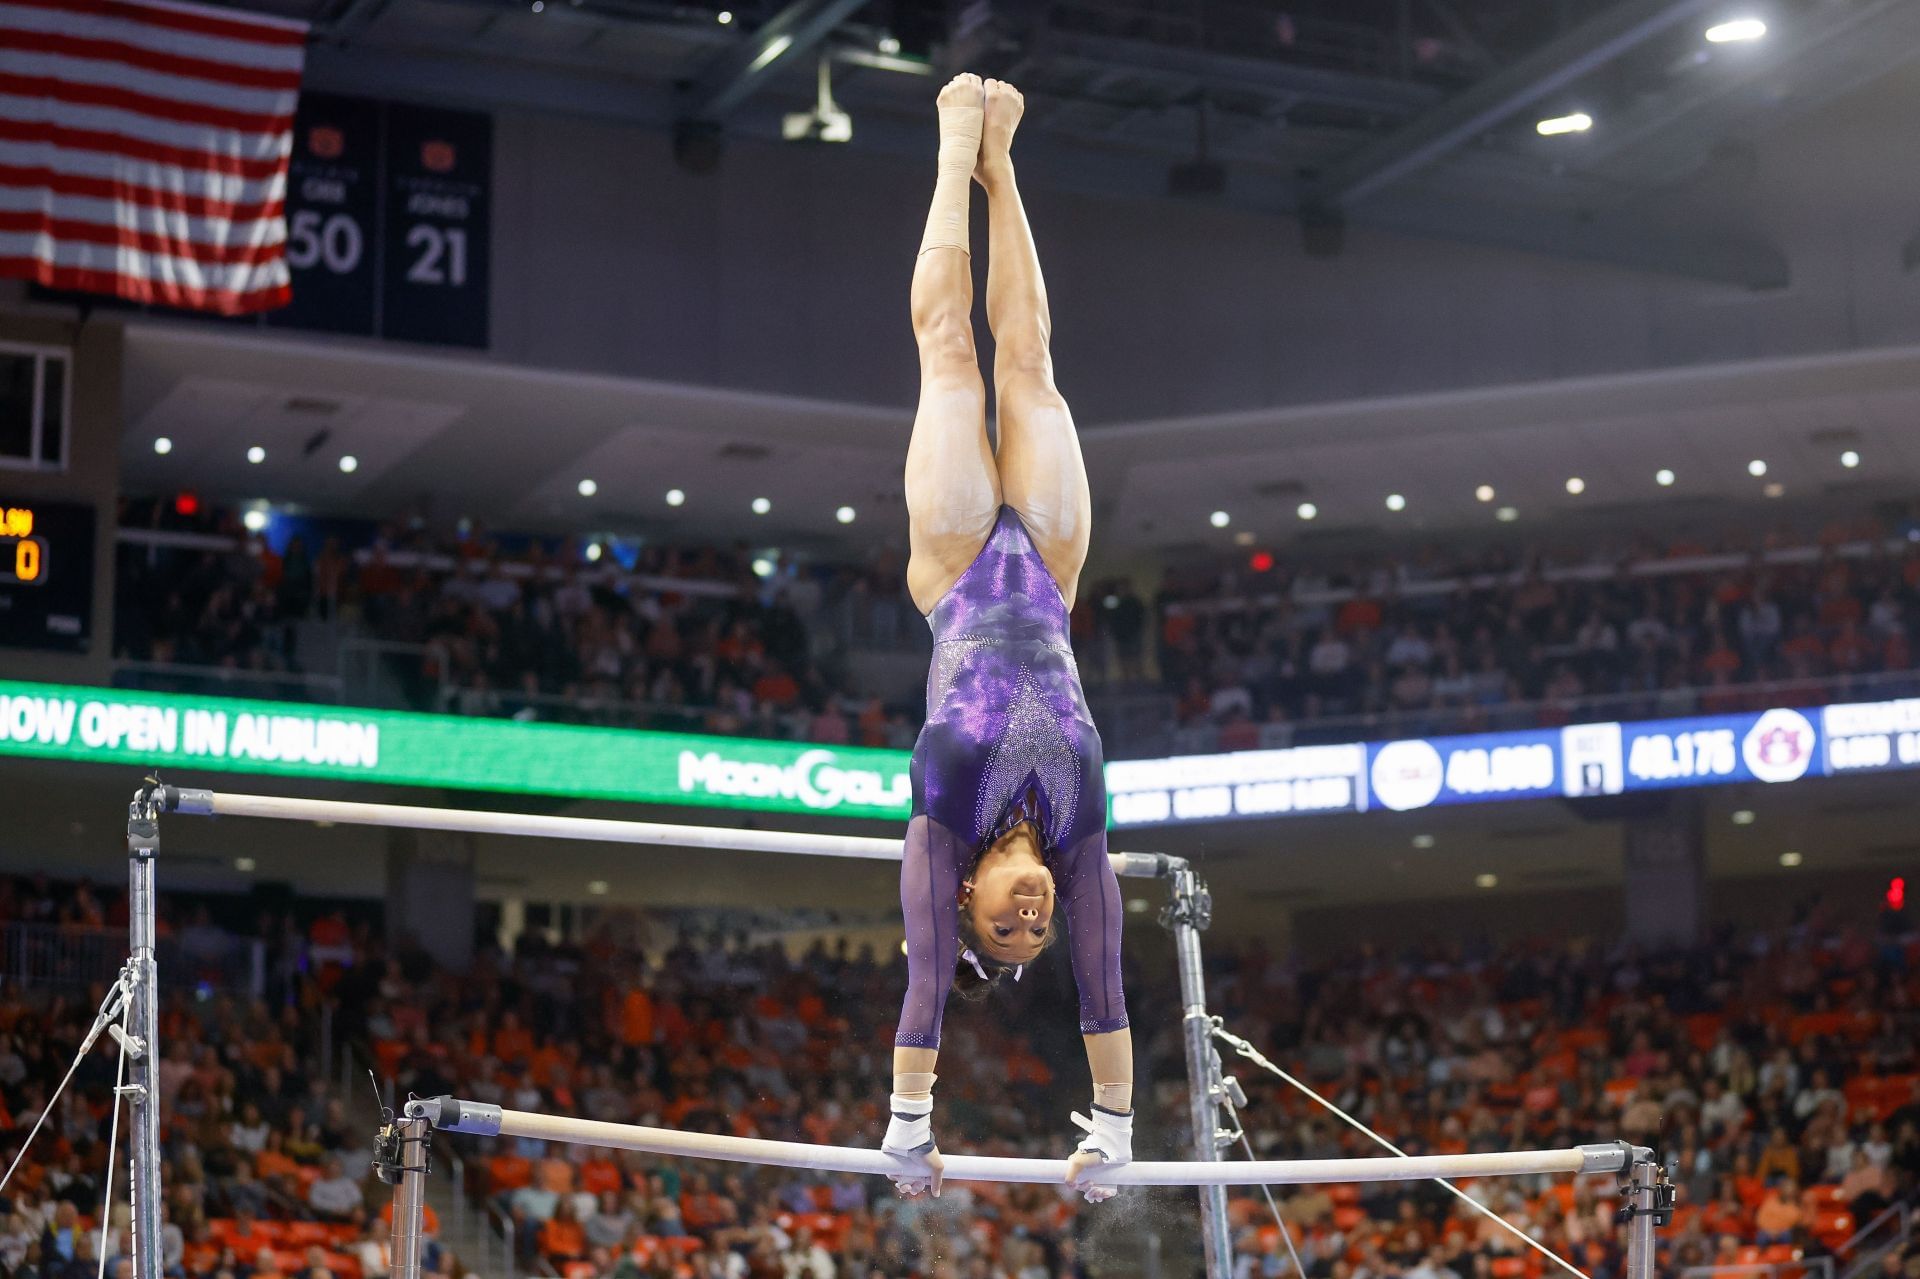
(482, 1119)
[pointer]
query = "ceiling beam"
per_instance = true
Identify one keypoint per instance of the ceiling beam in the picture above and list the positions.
(1538, 75)
(1239, 73)
(737, 73)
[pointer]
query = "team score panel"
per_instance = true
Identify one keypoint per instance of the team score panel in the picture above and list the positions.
(23, 561)
(1663, 757)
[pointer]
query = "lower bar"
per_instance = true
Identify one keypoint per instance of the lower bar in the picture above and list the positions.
(491, 1121)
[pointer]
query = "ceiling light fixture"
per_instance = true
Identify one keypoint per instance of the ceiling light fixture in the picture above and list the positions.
(1306, 510)
(1423, 841)
(255, 520)
(594, 552)
(889, 45)
(1850, 459)
(163, 446)
(244, 865)
(1576, 485)
(1757, 467)
(1395, 502)
(349, 464)
(1507, 514)
(1219, 519)
(763, 567)
(1736, 30)
(761, 506)
(1775, 488)
(1484, 493)
(588, 488)
(598, 887)
(675, 497)
(845, 514)
(1578, 122)
(1663, 477)
(256, 455)
(724, 17)
(1743, 817)
(1486, 880)
(1791, 859)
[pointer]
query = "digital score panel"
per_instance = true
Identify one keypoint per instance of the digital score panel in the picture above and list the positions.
(46, 575)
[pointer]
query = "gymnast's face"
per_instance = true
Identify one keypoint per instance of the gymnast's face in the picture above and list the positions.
(1009, 900)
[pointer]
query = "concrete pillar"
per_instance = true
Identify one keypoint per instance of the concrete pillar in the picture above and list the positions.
(430, 893)
(1665, 861)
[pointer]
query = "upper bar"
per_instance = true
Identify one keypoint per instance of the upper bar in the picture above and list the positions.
(604, 830)
(453, 1115)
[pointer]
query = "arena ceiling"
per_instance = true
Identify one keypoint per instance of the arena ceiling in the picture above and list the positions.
(448, 437)
(1416, 116)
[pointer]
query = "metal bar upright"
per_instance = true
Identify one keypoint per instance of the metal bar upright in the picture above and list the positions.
(410, 1197)
(1189, 911)
(1643, 1209)
(143, 1018)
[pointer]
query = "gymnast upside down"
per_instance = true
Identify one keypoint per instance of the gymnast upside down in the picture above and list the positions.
(1009, 803)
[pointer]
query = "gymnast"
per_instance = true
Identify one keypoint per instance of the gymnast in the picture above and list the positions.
(1009, 804)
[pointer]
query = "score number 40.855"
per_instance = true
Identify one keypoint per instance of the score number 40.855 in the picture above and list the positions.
(336, 242)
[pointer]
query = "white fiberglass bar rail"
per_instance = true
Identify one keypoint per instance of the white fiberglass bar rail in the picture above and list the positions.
(487, 1120)
(598, 829)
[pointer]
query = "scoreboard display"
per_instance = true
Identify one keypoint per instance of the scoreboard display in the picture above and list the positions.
(46, 575)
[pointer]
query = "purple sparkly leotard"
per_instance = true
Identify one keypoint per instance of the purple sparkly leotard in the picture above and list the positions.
(1008, 740)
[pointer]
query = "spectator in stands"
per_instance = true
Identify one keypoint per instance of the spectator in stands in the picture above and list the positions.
(334, 1196)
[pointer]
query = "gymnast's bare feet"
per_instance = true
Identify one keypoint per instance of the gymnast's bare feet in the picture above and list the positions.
(1003, 109)
(960, 112)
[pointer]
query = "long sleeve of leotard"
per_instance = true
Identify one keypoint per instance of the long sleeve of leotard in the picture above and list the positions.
(930, 905)
(1089, 899)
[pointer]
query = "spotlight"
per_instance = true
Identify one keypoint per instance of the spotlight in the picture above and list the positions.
(1757, 468)
(1576, 485)
(1507, 514)
(1775, 488)
(594, 552)
(588, 488)
(163, 446)
(1743, 817)
(1138, 905)
(724, 17)
(349, 464)
(1395, 502)
(1578, 122)
(889, 45)
(1736, 30)
(539, 6)
(256, 455)
(1484, 493)
(675, 497)
(1219, 519)
(1486, 880)
(1244, 537)
(844, 515)
(1306, 510)
(1790, 859)
(598, 887)
(763, 567)
(1850, 459)
(761, 506)
(1663, 477)
(1423, 841)
(255, 520)
(244, 865)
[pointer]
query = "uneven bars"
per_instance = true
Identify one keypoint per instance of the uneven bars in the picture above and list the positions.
(206, 803)
(484, 1119)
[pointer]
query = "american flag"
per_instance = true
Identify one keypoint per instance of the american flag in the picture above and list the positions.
(143, 150)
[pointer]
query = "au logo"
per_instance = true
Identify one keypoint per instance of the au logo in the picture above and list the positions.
(1779, 746)
(438, 157)
(326, 142)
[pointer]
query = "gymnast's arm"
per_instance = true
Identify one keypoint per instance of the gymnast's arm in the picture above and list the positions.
(930, 908)
(1092, 907)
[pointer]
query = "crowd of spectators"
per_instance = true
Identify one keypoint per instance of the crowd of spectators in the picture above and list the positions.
(1256, 658)
(1268, 655)
(1778, 1067)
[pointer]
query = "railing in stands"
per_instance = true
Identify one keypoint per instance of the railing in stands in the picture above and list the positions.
(54, 955)
(1891, 1229)
(1811, 1267)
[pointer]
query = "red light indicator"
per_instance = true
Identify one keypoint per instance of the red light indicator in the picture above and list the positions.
(186, 504)
(1262, 561)
(1897, 893)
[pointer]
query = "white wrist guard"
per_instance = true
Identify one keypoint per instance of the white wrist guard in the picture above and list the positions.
(1109, 1134)
(910, 1130)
